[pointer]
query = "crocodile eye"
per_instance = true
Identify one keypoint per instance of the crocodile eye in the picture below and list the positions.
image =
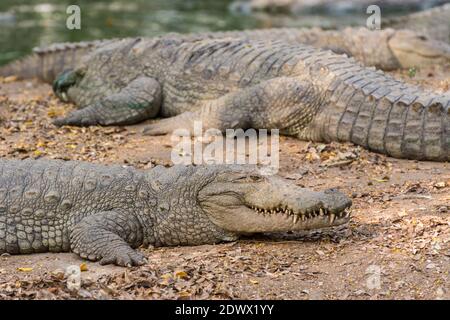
(249, 178)
(256, 178)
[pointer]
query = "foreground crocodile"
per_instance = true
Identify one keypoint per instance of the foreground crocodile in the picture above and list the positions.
(102, 212)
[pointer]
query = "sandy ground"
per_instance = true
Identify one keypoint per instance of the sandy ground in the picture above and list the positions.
(397, 246)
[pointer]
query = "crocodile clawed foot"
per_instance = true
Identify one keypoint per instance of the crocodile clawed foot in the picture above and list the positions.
(124, 258)
(155, 129)
(183, 123)
(81, 118)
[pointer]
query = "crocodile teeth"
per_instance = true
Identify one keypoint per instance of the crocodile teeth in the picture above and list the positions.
(348, 213)
(296, 217)
(332, 217)
(321, 212)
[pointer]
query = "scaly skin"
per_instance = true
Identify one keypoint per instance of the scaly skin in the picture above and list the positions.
(236, 83)
(434, 22)
(312, 94)
(103, 212)
(48, 62)
(386, 49)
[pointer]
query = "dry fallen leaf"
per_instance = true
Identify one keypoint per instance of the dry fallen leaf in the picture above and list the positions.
(83, 267)
(181, 274)
(380, 180)
(320, 252)
(440, 185)
(9, 79)
(166, 279)
(37, 153)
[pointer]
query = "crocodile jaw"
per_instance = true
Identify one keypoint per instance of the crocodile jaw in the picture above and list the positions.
(272, 204)
(413, 50)
(256, 220)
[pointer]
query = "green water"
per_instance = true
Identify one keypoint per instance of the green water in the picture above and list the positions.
(25, 24)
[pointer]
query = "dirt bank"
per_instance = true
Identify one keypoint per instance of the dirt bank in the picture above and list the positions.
(397, 245)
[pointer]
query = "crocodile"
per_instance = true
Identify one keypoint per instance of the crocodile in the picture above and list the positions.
(386, 49)
(104, 212)
(302, 6)
(308, 93)
(434, 22)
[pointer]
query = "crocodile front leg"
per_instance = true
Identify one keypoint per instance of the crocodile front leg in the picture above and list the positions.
(109, 237)
(138, 101)
(285, 103)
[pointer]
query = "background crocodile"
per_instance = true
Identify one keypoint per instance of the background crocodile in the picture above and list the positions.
(102, 212)
(228, 83)
(385, 49)
(434, 22)
(299, 6)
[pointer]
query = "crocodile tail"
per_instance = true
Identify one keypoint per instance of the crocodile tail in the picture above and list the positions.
(380, 113)
(47, 62)
(415, 125)
(24, 68)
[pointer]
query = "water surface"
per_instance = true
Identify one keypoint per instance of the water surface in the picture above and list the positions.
(25, 24)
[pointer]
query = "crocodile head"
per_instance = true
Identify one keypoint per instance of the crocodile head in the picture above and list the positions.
(412, 49)
(241, 200)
